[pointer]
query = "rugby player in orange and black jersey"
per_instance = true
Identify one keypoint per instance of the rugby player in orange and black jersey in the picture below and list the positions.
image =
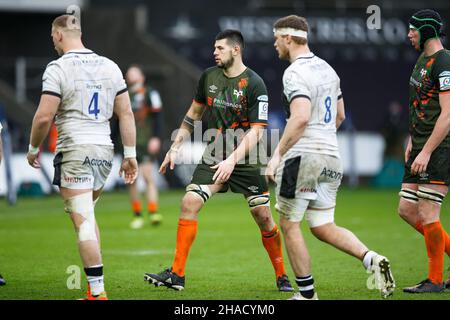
(430, 78)
(234, 98)
(232, 104)
(427, 156)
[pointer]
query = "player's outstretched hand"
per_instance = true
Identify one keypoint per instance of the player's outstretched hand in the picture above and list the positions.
(169, 160)
(33, 160)
(129, 170)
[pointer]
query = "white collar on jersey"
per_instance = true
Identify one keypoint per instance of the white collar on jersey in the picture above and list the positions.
(305, 55)
(82, 50)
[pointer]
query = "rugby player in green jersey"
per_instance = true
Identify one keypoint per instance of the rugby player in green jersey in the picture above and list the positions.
(235, 101)
(427, 156)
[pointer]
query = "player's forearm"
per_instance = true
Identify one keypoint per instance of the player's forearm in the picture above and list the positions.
(439, 133)
(187, 126)
(40, 128)
(340, 116)
(247, 144)
(127, 128)
(292, 133)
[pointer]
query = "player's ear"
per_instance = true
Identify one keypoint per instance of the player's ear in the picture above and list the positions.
(236, 49)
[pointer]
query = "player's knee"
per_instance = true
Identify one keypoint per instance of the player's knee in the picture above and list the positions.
(404, 211)
(261, 200)
(322, 232)
(198, 191)
(190, 204)
(262, 216)
(286, 225)
(81, 208)
(430, 195)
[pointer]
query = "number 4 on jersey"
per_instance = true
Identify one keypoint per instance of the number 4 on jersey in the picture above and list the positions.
(93, 105)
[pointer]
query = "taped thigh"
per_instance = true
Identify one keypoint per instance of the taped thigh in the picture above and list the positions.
(319, 217)
(409, 195)
(201, 191)
(84, 206)
(430, 195)
(261, 200)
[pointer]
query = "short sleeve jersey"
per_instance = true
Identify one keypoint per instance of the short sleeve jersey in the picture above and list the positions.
(87, 85)
(232, 104)
(314, 79)
(429, 79)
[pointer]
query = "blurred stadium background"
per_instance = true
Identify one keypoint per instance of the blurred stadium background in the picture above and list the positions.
(173, 41)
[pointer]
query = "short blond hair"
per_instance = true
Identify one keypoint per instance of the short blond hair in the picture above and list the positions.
(295, 22)
(67, 22)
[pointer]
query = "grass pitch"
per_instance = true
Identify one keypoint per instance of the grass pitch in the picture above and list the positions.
(227, 260)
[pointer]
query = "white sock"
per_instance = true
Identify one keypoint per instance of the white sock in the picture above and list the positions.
(97, 285)
(94, 275)
(367, 261)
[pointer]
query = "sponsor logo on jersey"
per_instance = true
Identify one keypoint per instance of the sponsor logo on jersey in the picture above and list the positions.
(93, 86)
(263, 98)
(263, 111)
(220, 103)
(237, 93)
(423, 72)
(212, 89)
(444, 81)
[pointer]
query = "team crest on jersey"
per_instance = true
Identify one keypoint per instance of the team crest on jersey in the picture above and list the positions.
(238, 93)
(444, 81)
(213, 89)
(423, 72)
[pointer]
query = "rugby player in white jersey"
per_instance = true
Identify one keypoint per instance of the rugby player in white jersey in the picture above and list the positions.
(306, 166)
(83, 90)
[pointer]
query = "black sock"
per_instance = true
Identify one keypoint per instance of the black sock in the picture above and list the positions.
(306, 286)
(96, 271)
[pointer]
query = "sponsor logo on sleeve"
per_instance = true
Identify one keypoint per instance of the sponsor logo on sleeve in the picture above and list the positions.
(212, 89)
(444, 81)
(263, 111)
(264, 98)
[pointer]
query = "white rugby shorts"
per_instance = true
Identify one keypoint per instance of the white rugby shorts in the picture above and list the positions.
(308, 184)
(83, 167)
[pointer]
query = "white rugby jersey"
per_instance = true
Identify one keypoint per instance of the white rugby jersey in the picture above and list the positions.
(313, 78)
(87, 85)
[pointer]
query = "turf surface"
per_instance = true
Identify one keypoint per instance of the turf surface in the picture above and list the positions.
(227, 260)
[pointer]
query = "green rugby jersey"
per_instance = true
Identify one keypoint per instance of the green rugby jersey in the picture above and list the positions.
(145, 103)
(429, 79)
(231, 104)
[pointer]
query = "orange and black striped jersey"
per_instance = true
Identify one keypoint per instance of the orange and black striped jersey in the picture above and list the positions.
(430, 78)
(233, 105)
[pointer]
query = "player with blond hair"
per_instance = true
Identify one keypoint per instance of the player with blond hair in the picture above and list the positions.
(306, 165)
(83, 90)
